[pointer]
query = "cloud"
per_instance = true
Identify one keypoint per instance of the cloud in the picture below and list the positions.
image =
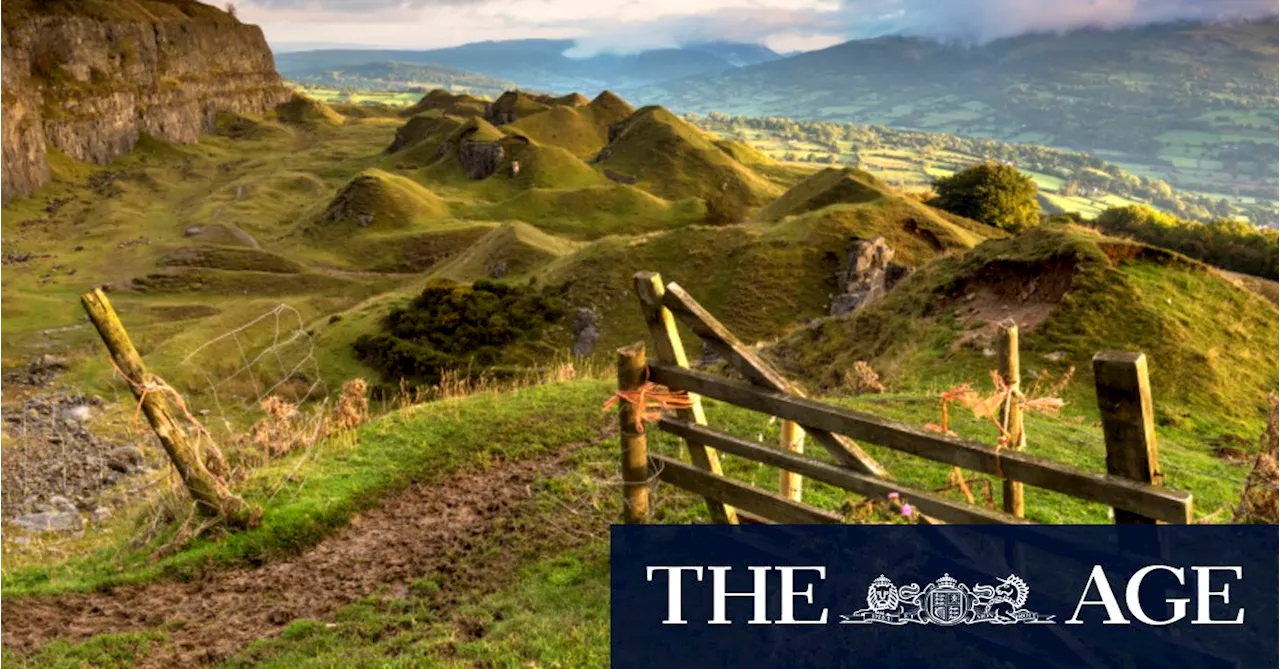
(623, 26)
(986, 20)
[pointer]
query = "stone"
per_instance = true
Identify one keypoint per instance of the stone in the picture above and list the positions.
(61, 503)
(124, 459)
(1055, 356)
(49, 521)
(865, 278)
(480, 159)
(100, 514)
(192, 231)
(586, 330)
(77, 414)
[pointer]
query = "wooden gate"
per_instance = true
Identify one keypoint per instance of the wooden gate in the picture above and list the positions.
(1124, 399)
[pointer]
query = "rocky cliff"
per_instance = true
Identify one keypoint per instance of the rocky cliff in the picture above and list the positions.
(88, 83)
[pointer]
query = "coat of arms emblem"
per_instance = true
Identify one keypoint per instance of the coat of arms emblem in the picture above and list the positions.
(946, 601)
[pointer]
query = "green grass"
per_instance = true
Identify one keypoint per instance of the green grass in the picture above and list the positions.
(1120, 296)
(428, 444)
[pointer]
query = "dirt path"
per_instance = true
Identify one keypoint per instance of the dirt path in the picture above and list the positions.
(411, 535)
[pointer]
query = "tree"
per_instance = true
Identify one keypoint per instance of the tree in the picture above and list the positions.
(991, 193)
(231, 9)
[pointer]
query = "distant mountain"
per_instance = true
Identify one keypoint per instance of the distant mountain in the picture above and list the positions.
(738, 54)
(542, 63)
(388, 75)
(1184, 96)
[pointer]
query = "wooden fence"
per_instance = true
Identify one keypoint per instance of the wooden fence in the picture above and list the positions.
(1130, 485)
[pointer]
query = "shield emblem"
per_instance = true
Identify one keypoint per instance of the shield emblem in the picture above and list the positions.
(946, 606)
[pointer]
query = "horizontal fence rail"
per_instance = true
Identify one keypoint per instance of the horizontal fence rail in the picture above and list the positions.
(1130, 485)
(740, 495)
(869, 486)
(1146, 500)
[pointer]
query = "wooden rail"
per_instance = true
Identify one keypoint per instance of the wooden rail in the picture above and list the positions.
(1130, 485)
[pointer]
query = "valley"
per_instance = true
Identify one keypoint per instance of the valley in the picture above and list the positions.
(389, 295)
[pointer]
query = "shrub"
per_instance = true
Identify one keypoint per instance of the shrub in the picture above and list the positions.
(1232, 245)
(453, 326)
(991, 193)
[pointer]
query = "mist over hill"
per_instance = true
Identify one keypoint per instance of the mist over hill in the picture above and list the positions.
(1198, 100)
(544, 64)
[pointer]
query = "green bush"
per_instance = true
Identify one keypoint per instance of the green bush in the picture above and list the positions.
(1229, 244)
(454, 326)
(991, 193)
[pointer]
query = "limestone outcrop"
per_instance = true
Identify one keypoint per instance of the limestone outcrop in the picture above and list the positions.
(89, 86)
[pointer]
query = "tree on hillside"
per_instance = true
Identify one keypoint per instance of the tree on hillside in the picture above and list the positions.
(995, 194)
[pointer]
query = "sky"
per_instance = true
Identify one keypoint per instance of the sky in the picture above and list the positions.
(627, 26)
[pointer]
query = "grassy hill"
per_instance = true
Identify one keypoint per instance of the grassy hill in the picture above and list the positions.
(256, 258)
(1198, 98)
(1073, 293)
(581, 129)
(672, 159)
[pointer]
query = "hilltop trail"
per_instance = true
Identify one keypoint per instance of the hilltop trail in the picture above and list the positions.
(427, 529)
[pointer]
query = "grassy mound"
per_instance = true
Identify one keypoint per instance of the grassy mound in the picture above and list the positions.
(423, 140)
(459, 104)
(593, 212)
(666, 156)
(1073, 293)
(414, 251)
(914, 232)
(743, 152)
(581, 130)
(760, 279)
(380, 201)
(571, 100)
(830, 186)
(232, 258)
(609, 104)
(515, 105)
(541, 166)
(512, 249)
(237, 126)
(302, 110)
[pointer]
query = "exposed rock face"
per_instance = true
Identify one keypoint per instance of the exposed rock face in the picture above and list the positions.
(480, 159)
(868, 275)
(586, 330)
(90, 87)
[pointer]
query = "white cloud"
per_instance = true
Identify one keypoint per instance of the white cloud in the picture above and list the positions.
(631, 25)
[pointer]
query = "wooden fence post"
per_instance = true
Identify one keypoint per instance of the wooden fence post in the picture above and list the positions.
(1011, 412)
(635, 450)
(790, 484)
(210, 493)
(1128, 423)
(666, 341)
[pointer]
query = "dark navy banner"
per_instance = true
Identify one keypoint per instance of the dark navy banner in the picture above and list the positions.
(953, 596)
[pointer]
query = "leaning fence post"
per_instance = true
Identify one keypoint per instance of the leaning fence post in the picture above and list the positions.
(1128, 422)
(1011, 412)
(635, 448)
(670, 350)
(210, 493)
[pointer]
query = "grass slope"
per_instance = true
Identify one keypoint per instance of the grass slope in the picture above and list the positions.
(511, 249)
(672, 159)
(378, 200)
(1209, 341)
(593, 212)
(582, 129)
(760, 278)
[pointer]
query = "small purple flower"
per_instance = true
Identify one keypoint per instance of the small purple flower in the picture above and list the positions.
(907, 510)
(893, 495)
